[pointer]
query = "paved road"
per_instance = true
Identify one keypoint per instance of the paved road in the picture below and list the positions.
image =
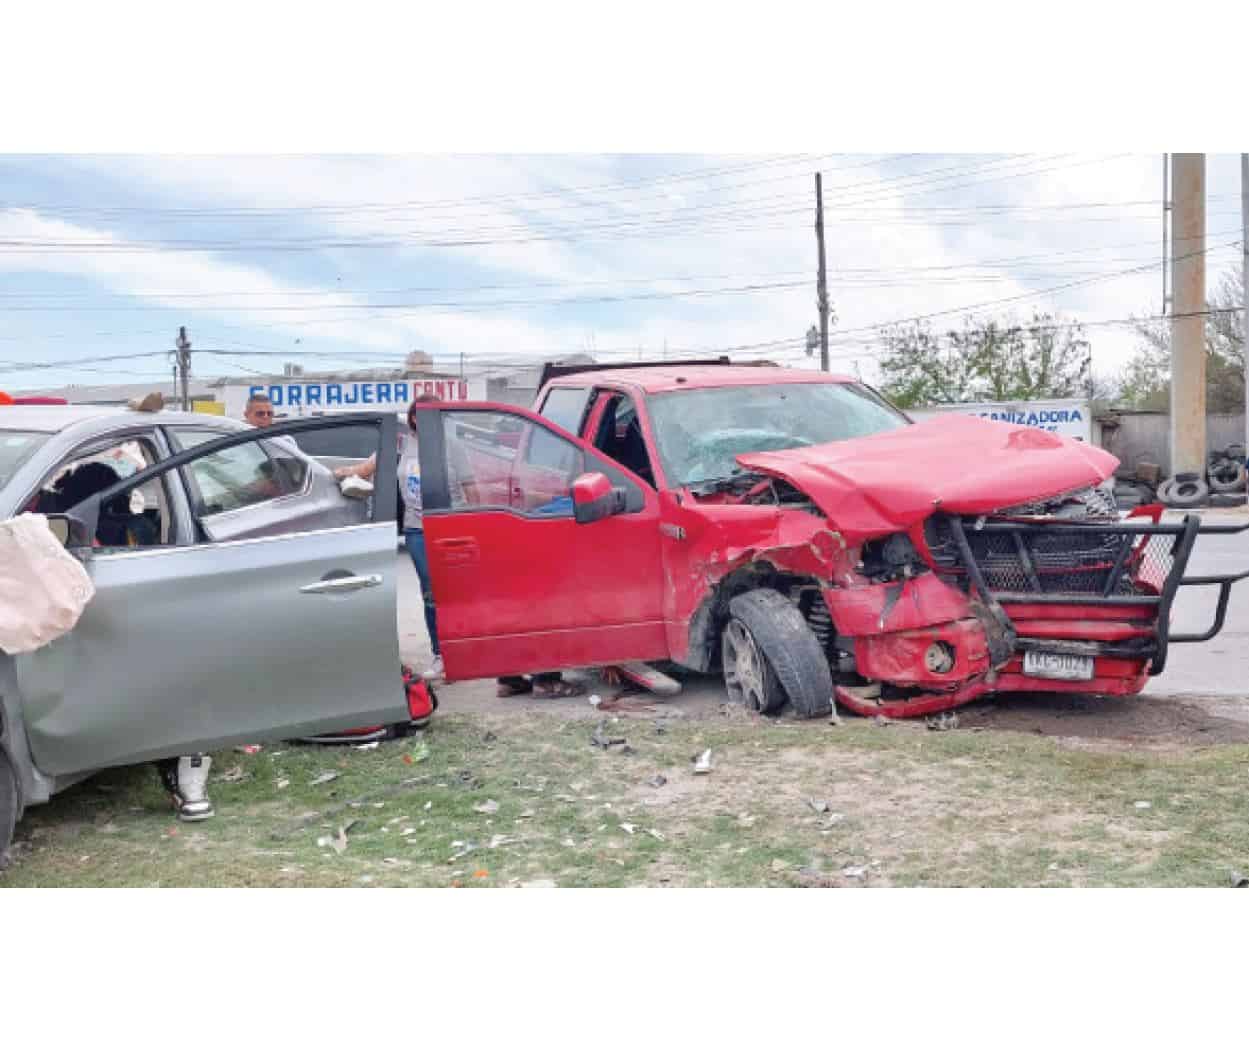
(1219, 667)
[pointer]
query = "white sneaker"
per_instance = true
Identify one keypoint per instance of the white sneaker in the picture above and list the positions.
(190, 792)
(435, 671)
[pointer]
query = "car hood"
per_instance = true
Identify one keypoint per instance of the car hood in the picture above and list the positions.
(870, 486)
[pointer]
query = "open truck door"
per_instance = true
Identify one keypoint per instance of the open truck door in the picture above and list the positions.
(543, 552)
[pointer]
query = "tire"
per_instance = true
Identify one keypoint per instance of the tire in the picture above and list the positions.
(1235, 451)
(1228, 477)
(1226, 501)
(791, 653)
(1187, 494)
(8, 805)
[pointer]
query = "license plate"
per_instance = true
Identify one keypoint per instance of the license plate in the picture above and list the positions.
(1069, 667)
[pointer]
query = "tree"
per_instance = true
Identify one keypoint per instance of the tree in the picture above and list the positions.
(1146, 381)
(987, 360)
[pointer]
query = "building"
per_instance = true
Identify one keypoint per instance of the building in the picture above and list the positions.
(296, 393)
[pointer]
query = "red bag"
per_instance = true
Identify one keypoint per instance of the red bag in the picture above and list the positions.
(422, 701)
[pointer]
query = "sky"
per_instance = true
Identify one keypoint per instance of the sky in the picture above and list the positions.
(340, 262)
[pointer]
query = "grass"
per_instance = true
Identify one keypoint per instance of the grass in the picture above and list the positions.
(913, 807)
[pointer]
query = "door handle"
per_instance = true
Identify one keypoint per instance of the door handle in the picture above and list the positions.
(350, 583)
(458, 550)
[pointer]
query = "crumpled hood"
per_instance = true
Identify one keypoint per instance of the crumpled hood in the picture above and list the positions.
(871, 486)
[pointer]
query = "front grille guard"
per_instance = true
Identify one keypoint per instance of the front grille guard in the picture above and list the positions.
(1125, 548)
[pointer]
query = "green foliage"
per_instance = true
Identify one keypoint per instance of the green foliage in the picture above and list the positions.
(987, 360)
(1146, 382)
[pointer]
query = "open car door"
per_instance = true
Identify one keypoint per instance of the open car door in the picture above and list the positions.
(543, 552)
(273, 615)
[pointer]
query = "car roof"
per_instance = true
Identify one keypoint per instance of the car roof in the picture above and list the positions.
(53, 418)
(670, 378)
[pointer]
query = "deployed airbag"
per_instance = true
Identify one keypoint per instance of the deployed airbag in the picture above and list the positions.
(43, 589)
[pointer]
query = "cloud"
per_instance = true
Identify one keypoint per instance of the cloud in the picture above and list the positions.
(532, 221)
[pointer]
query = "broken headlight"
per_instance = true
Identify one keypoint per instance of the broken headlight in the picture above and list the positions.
(890, 559)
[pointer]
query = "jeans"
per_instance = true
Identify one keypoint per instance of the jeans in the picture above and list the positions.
(415, 541)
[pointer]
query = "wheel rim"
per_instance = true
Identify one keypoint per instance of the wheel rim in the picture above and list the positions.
(744, 675)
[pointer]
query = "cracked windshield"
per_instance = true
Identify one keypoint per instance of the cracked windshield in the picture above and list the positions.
(701, 432)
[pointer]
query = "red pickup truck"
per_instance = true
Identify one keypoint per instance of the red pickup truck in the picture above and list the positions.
(794, 531)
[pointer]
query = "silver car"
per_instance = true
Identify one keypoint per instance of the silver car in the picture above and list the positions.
(239, 596)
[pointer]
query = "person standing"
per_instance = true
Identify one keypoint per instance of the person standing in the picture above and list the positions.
(413, 522)
(258, 411)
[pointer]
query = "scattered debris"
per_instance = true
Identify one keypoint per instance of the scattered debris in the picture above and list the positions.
(778, 865)
(250, 749)
(324, 778)
(337, 842)
(481, 874)
(1143, 805)
(702, 763)
(628, 828)
(499, 840)
(881, 720)
(1239, 880)
(745, 820)
(831, 820)
(489, 737)
(233, 775)
(540, 883)
(655, 834)
(854, 872)
(651, 680)
(282, 782)
(600, 738)
(817, 806)
(658, 780)
(947, 720)
(595, 700)
(428, 806)
(525, 814)
(568, 843)
(369, 746)
(406, 831)
(489, 807)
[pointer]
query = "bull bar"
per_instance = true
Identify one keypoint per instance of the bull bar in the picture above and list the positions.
(1019, 573)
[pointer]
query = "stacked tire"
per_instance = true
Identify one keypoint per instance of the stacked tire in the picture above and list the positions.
(1184, 491)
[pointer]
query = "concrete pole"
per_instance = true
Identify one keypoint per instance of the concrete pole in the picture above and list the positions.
(1188, 293)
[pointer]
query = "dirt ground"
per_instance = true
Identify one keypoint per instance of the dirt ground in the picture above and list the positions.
(1144, 721)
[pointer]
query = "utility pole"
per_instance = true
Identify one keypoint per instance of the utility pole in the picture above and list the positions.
(1244, 273)
(1188, 288)
(184, 366)
(822, 281)
(1166, 218)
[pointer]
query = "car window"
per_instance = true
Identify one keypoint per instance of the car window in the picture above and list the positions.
(620, 437)
(700, 433)
(233, 478)
(565, 407)
(338, 442)
(486, 469)
(140, 519)
(16, 446)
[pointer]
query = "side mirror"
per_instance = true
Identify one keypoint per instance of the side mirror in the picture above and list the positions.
(69, 530)
(593, 498)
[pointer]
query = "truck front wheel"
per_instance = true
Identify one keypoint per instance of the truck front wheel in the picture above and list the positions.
(769, 652)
